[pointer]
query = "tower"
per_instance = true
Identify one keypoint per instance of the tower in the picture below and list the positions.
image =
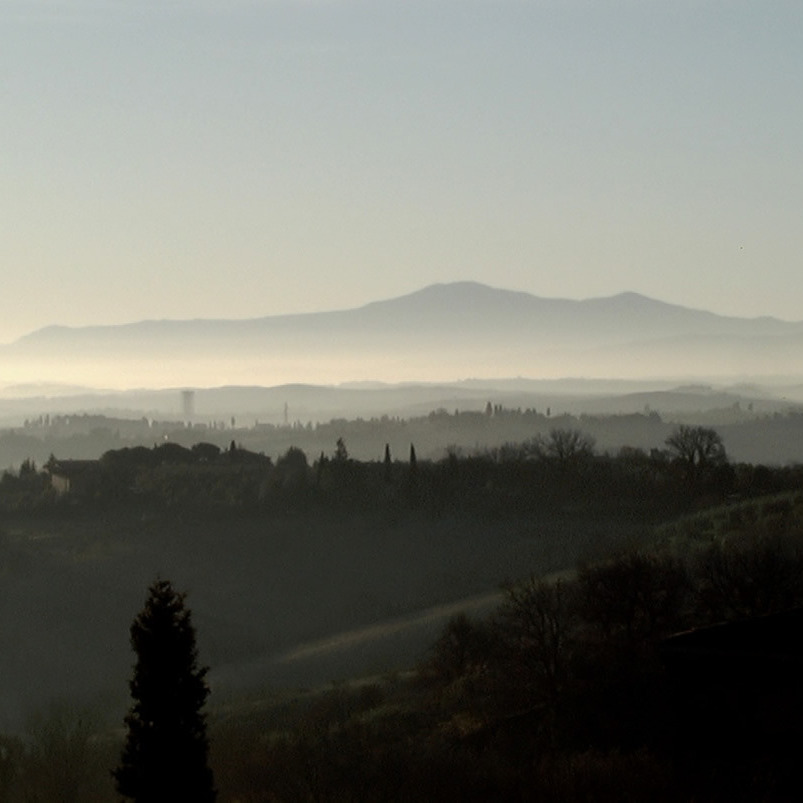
(188, 405)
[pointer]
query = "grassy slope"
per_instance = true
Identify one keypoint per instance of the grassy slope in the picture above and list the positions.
(267, 595)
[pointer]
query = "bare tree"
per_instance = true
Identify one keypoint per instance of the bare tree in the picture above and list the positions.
(565, 445)
(633, 597)
(536, 622)
(697, 449)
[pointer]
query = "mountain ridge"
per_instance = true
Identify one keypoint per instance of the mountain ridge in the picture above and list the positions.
(442, 332)
(467, 292)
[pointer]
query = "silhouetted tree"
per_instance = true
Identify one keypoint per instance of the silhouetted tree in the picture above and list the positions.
(635, 597)
(27, 468)
(464, 646)
(568, 444)
(166, 749)
(697, 449)
(341, 453)
(206, 452)
(291, 469)
(387, 463)
(411, 483)
(172, 453)
(320, 468)
(535, 623)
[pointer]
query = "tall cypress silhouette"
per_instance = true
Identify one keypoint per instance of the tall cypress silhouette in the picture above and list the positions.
(165, 757)
(388, 465)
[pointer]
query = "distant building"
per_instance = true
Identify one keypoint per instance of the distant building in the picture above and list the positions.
(73, 476)
(188, 404)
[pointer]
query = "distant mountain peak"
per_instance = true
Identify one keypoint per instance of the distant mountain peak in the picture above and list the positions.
(442, 331)
(452, 290)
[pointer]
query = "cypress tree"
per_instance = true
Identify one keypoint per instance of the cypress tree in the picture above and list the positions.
(387, 463)
(412, 476)
(165, 757)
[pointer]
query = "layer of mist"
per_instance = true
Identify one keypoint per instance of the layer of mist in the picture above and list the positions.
(441, 333)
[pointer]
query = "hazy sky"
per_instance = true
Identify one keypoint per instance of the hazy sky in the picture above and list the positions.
(236, 159)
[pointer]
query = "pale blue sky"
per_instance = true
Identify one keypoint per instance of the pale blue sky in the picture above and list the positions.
(208, 159)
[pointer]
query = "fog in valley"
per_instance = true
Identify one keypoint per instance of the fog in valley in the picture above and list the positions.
(441, 333)
(331, 532)
(401, 401)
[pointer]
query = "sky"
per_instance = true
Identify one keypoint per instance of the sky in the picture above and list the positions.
(204, 159)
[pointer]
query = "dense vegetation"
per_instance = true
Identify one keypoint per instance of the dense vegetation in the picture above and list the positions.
(547, 473)
(766, 434)
(564, 692)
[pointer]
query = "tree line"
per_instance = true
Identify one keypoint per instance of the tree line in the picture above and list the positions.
(545, 474)
(755, 438)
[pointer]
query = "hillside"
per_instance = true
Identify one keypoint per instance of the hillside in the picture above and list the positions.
(282, 558)
(262, 589)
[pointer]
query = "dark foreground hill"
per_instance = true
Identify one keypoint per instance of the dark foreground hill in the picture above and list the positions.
(565, 692)
(280, 557)
(268, 594)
